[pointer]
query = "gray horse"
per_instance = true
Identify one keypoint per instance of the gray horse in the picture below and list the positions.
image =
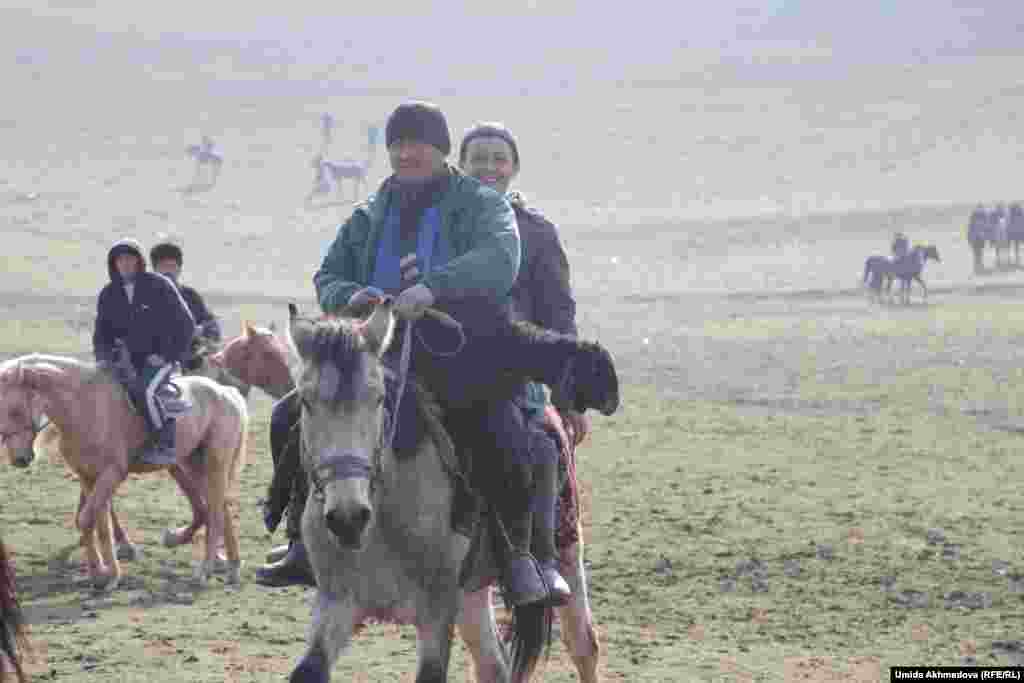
(378, 527)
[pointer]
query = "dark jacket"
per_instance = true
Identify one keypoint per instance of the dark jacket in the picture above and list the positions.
(155, 321)
(542, 292)
(479, 226)
(200, 313)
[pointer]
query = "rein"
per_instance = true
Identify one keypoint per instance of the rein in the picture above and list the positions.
(338, 466)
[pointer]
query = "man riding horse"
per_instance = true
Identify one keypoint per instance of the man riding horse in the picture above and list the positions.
(167, 259)
(142, 325)
(433, 237)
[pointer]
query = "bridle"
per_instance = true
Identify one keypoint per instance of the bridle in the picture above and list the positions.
(337, 466)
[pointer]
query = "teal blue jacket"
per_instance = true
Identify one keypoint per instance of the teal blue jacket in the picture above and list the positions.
(478, 224)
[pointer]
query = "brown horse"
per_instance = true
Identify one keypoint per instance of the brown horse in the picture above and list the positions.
(101, 432)
(261, 357)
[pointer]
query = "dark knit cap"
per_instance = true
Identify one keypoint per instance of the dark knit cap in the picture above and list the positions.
(489, 130)
(420, 122)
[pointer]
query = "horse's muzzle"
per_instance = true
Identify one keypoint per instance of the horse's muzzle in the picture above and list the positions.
(348, 528)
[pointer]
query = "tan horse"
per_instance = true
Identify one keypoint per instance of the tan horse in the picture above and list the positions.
(257, 358)
(261, 358)
(101, 432)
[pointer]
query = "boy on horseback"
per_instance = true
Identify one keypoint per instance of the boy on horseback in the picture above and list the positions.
(435, 237)
(142, 315)
(900, 246)
(166, 258)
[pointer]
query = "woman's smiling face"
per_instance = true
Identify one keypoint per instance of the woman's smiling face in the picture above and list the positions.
(490, 160)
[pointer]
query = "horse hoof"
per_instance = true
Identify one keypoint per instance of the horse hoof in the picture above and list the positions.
(169, 539)
(105, 583)
(202, 572)
(234, 573)
(127, 552)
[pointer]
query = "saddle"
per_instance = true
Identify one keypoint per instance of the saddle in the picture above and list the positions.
(170, 395)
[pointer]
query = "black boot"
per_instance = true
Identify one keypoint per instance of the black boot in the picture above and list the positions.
(293, 567)
(543, 538)
(291, 570)
(521, 576)
(285, 452)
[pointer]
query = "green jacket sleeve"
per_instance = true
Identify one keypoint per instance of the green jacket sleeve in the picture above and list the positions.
(340, 273)
(490, 266)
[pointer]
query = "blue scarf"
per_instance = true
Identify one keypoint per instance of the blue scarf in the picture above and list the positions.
(431, 249)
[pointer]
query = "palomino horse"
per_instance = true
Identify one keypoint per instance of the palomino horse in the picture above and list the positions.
(257, 357)
(101, 432)
(13, 643)
(260, 357)
(378, 527)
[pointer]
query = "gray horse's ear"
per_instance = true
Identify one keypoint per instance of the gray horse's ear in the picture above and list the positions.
(379, 328)
(300, 336)
(272, 326)
(293, 311)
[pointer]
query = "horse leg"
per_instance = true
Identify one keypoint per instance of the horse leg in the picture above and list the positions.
(126, 550)
(434, 645)
(216, 478)
(479, 632)
(578, 631)
(329, 634)
(186, 481)
(97, 506)
(87, 539)
(106, 543)
(924, 287)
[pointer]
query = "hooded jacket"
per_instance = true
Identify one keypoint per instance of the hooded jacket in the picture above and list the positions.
(156, 320)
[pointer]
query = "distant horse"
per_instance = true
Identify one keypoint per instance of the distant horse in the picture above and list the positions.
(261, 357)
(205, 158)
(909, 268)
(331, 174)
(101, 432)
(1015, 229)
(878, 275)
(378, 526)
(990, 227)
(13, 641)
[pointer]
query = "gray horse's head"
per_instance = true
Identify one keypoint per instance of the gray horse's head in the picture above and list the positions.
(341, 388)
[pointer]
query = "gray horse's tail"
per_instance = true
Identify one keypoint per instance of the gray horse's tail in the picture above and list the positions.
(531, 638)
